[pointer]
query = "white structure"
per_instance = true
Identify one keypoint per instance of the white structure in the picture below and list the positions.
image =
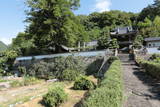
(152, 42)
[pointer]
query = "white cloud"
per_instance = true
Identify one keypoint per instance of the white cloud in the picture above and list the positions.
(102, 5)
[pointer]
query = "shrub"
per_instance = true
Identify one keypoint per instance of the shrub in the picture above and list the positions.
(69, 75)
(22, 70)
(54, 97)
(31, 81)
(154, 56)
(41, 70)
(82, 83)
(110, 90)
(16, 83)
(72, 63)
(111, 59)
(151, 68)
(57, 66)
(25, 82)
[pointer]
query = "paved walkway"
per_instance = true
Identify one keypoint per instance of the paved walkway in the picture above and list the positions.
(140, 89)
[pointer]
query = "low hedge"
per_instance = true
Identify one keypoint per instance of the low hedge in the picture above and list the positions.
(110, 91)
(150, 67)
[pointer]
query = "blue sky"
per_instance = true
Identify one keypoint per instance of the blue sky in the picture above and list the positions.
(12, 13)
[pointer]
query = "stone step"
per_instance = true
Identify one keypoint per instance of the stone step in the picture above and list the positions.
(125, 57)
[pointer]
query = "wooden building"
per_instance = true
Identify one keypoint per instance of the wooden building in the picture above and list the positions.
(125, 37)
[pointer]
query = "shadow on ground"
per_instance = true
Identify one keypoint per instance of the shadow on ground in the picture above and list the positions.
(153, 84)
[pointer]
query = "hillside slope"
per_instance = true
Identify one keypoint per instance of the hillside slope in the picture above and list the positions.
(2, 46)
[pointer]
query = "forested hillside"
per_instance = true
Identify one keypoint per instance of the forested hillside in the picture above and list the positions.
(49, 28)
(2, 46)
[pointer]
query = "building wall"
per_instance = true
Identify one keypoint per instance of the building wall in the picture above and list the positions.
(153, 44)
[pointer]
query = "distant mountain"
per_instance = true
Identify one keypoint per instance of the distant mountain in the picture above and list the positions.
(2, 46)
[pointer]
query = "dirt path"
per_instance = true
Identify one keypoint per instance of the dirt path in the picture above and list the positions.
(140, 89)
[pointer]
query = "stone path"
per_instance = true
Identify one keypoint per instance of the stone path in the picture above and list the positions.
(140, 89)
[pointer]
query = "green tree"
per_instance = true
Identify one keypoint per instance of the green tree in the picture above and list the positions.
(104, 40)
(23, 44)
(147, 23)
(138, 42)
(150, 11)
(113, 44)
(52, 23)
(6, 60)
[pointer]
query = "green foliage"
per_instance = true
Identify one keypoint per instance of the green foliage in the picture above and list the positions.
(46, 70)
(154, 56)
(112, 59)
(113, 44)
(7, 60)
(104, 41)
(22, 70)
(69, 75)
(54, 97)
(151, 20)
(23, 44)
(31, 81)
(138, 42)
(52, 23)
(25, 82)
(71, 62)
(41, 70)
(2, 80)
(110, 91)
(152, 67)
(16, 83)
(150, 11)
(82, 83)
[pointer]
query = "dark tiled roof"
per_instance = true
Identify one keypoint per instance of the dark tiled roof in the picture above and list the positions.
(152, 39)
(122, 30)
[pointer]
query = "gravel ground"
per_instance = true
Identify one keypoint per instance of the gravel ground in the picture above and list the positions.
(141, 90)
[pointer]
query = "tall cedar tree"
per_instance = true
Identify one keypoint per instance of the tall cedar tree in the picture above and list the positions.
(52, 23)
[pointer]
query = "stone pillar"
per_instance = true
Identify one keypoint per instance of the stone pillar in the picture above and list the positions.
(79, 46)
(84, 46)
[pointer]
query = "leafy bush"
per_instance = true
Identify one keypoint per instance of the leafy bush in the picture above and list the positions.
(112, 59)
(82, 83)
(110, 90)
(154, 56)
(57, 66)
(22, 70)
(151, 68)
(69, 75)
(41, 70)
(54, 97)
(17, 83)
(70, 62)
